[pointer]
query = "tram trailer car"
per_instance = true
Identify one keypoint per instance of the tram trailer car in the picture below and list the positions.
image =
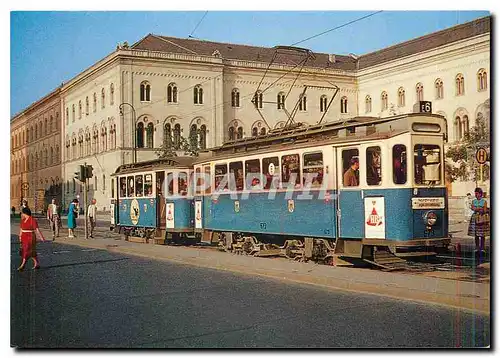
(395, 206)
(153, 200)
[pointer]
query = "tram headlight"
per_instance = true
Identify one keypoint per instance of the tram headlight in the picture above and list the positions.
(430, 218)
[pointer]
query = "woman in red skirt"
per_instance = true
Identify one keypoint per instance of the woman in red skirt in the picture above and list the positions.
(27, 237)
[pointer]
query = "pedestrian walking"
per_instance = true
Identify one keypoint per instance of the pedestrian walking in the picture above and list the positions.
(72, 215)
(479, 225)
(54, 218)
(27, 237)
(91, 214)
(467, 207)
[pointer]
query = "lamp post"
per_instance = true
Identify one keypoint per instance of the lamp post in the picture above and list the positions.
(134, 119)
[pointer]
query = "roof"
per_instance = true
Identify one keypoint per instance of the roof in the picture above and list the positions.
(428, 42)
(174, 162)
(237, 52)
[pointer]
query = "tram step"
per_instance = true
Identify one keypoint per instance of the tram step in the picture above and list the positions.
(141, 240)
(387, 261)
(415, 254)
(271, 252)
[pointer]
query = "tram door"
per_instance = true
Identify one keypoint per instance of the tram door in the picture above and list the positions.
(160, 199)
(350, 207)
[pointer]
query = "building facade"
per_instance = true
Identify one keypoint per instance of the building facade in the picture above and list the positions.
(36, 173)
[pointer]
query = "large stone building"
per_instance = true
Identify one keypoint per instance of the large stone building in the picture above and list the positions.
(162, 88)
(36, 153)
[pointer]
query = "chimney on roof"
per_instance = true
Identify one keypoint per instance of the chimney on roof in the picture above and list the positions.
(331, 58)
(353, 56)
(125, 45)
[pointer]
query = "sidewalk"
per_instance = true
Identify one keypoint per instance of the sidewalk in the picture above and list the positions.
(427, 289)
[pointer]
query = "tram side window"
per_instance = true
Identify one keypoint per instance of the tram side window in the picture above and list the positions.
(350, 164)
(148, 185)
(199, 180)
(312, 171)
(373, 166)
(112, 188)
(182, 184)
(399, 164)
(427, 159)
(220, 176)
(130, 187)
(170, 183)
(138, 185)
(123, 187)
(208, 176)
(253, 174)
(160, 177)
(271, 168)
(236, 172)
(290, 170)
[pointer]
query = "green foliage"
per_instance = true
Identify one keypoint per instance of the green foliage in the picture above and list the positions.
(169, 150)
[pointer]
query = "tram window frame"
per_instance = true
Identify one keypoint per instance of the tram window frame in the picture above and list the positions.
(346, 165)
(123, 182)
(400, 153)
(159, 180)
(170, 184)
(112, 188)
(285, 160)
(198, 179)
(148, 185)
(274, 178)
(369, 160)
(253, 182)
(236, 184)
(315, 168)
(139, 185)
(130, 188)
(426, 164)
(220, 172)
(182, 175)
(208, 174)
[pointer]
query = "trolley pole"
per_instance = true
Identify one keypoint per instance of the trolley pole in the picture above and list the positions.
(85, 205)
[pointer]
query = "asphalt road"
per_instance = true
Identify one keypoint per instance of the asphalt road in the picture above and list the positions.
(84, 298)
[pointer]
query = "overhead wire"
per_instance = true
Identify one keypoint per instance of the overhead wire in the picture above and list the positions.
(198, 24)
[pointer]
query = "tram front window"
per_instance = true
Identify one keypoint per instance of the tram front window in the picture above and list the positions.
(427, 161)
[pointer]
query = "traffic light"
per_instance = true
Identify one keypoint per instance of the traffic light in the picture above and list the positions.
(80, 174)
(89, 171)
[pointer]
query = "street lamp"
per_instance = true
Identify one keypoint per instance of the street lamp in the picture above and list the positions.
(134, 120)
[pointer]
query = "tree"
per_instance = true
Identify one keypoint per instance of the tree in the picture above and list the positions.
(188, 146)
(464, 165)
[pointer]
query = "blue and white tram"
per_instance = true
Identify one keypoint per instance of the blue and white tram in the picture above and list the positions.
(356, 189)
(153, 200)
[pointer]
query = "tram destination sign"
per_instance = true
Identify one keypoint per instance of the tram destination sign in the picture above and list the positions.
(427, 203)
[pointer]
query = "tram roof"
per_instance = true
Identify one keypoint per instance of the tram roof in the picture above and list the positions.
(322, 132)
(181, 162)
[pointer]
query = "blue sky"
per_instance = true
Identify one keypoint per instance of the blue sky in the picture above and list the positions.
(48, 48)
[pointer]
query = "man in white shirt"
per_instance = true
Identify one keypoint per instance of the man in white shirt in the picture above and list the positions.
(91, 213)
(54, 219)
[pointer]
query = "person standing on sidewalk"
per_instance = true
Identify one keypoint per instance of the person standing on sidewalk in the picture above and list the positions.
(479, 225)
(91, 213)
(54, 218)
(27, 237)
(72, 215)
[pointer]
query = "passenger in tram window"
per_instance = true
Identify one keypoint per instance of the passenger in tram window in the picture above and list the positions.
(351, 175)
(373, 169)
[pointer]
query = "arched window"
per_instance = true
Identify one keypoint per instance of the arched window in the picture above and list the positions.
(177, 136)
(79, 109)
(198, 95)
(385, 101)
(52, 159)
(258, 99)
(140, 135)
(420, 91)
(239, 134)
(51, 126)
(368, 104)
(45, 128)
(95, 102)
(231, 133)
(57, 154)
(167, 135)
(303, 103)
(172, 93)
(111, 94)
(461, 125)
(401, 97)
(103, 98)
(235, 98)
(482, 80)
(145, 92)
(193, 136)
(104, 137)
(255, 132)
(149, 135)
(80, 145)
(459, 85)
(87, 105)
(263, 131)
(113, 136)
(203, 136)
(439, 88)
(88, 148)
(323, 103)
(73, 114)
(281, 100)
(67, 115)
(343, 105)
(36, 131)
